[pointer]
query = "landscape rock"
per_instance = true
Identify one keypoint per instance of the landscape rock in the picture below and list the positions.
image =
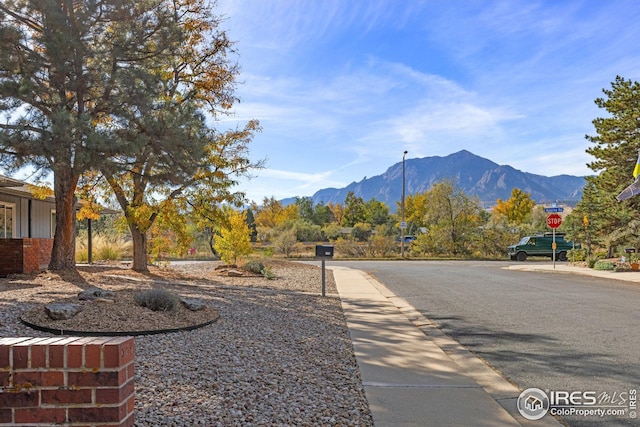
(234, 273)
(61, 310)
(95, 293)
(193, 304)
(225, 266)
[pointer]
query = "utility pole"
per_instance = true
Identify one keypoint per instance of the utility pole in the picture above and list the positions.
(403, 224)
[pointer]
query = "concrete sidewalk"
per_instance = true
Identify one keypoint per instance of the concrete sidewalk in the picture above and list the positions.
(627, 276)
(415, 375)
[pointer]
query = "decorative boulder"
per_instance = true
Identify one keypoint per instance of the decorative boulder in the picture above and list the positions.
(94, 294)
(226, 266)
(61, 310)
(234, 273)
(193, 304)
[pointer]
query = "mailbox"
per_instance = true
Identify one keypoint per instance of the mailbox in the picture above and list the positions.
(630, 250)
(325, 251)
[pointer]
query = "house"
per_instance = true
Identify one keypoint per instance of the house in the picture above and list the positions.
(27, 226)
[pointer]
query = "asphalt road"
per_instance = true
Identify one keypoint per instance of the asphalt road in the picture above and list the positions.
(558, 332)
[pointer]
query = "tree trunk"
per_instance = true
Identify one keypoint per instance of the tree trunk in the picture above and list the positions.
(211, 243)
(63, 254)
(139, 249)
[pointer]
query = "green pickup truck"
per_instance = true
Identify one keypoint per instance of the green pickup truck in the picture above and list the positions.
(541, 245)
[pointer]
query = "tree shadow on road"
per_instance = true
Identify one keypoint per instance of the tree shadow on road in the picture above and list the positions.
(528, 354)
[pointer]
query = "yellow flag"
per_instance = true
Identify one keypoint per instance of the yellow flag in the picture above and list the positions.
(636, 170)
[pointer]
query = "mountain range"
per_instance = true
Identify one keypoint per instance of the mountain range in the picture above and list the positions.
(473, 174)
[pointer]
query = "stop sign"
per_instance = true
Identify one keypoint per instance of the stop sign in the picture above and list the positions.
(554, 220)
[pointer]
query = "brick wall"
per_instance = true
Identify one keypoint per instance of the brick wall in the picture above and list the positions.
(70, 381)
(24, 255)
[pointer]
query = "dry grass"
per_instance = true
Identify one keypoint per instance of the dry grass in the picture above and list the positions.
(104, 248)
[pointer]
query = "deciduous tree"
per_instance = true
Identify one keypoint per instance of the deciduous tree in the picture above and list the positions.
(337, 210)
(415, 208)
(452, 218)
(354, 210)
(235, 239)
(517, 208)
(271, 214)
(183, 159)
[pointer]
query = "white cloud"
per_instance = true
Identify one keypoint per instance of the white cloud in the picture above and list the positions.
(283, 184)
(343, 88)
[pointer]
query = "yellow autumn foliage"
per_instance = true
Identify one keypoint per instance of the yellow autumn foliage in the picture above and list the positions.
(234, 241)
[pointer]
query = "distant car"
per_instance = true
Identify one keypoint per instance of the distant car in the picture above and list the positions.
(541, 245)
(407, 239)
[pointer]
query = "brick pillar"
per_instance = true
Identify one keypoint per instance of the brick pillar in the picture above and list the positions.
(36, 254)
(44, 254)
(10, 256)
(30, 255)
(67, 380)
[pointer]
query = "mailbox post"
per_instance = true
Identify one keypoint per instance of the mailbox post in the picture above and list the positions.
(323, 252)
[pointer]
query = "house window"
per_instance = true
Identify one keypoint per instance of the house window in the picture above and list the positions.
(53, 222)
(7, 220)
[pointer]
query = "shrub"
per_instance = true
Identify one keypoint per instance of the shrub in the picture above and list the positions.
(349, 248)
(361, 231)
(254, 267)
(308, 232)
(576, 255)
(601, 254)
(157, 300)
(298, 248)
(268, 274)
(603, 265)
(285, 241)
(332, 232)
(380, 245)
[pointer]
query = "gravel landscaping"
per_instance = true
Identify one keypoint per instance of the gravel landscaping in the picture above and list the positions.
(279, 354)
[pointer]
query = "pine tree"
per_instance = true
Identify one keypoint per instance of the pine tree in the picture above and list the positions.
(616, 146)
(66, 71)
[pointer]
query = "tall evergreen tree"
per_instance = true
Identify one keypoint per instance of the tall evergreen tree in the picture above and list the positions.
(67, 69)
(322, 215)
(305, 208)
(616, 146)
(377, 212)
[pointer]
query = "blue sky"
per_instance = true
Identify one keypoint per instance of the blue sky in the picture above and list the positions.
(343, 87)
